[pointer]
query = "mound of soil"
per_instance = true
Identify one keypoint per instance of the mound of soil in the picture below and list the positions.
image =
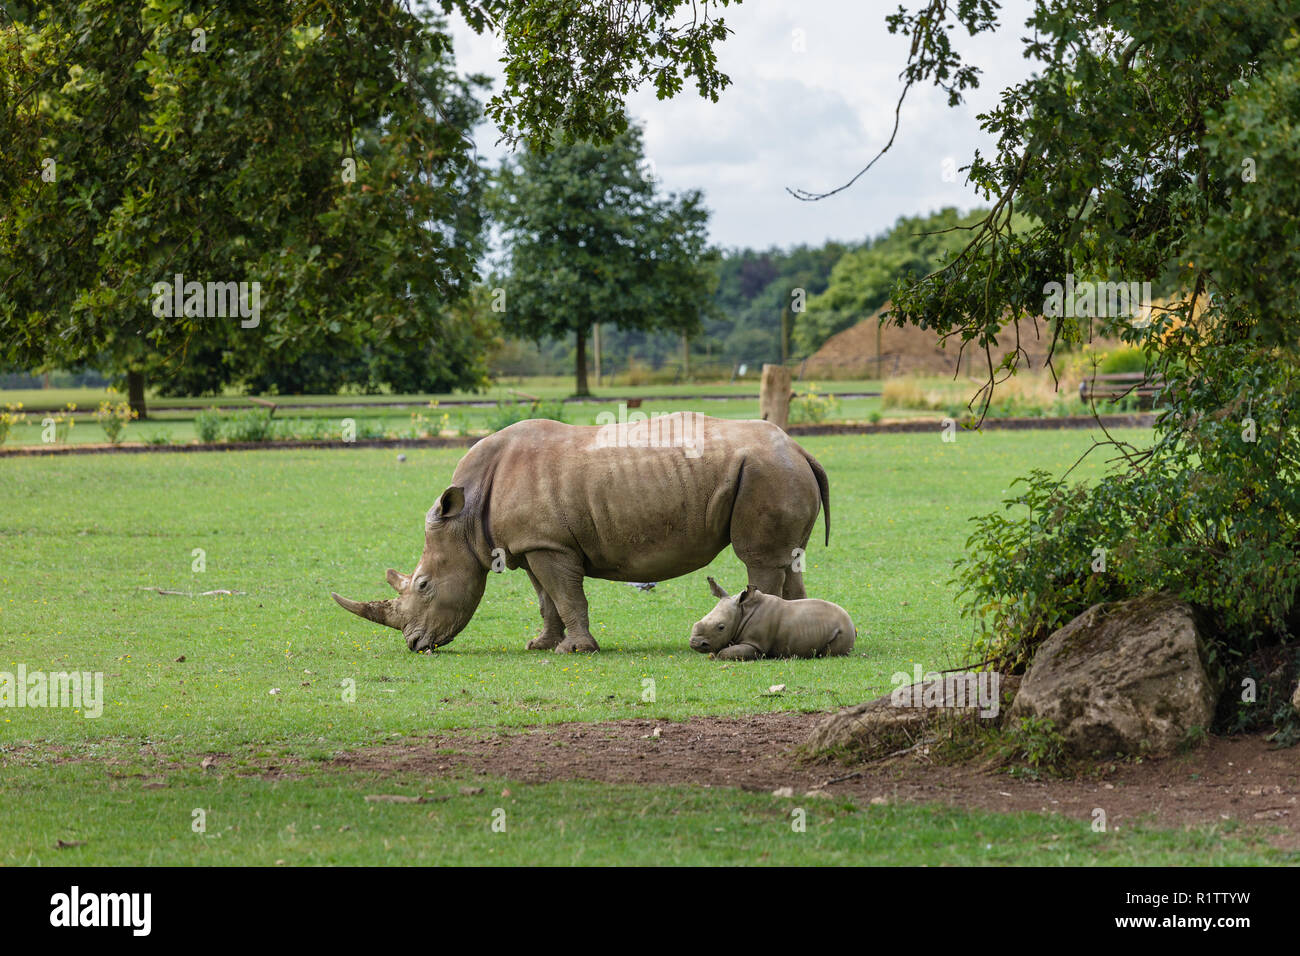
(913, 351)
(1228, 778)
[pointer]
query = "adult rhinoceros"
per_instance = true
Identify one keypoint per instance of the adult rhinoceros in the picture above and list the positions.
(646, 502)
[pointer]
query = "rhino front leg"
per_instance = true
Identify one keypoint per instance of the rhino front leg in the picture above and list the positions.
(739, 652)
(561, 577)
(552, 627)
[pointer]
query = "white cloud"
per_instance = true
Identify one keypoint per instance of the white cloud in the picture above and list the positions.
(808, 111)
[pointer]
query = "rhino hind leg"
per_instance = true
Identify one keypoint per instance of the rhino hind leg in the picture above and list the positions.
(779, 580)
(766, 579)
(561, 575)
(792, 589)
(772, 519)
(552, 627)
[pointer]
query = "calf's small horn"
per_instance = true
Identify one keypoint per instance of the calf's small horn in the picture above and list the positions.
(381, 612)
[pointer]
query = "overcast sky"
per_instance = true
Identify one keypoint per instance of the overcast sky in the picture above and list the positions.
(810, 118)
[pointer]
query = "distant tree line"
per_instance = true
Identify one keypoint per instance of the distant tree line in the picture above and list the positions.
(803, 294)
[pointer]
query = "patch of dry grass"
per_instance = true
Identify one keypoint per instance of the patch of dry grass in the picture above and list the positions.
(1026, 393)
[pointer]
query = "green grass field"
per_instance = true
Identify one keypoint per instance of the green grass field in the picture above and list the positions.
(323, 818)
(265, 673)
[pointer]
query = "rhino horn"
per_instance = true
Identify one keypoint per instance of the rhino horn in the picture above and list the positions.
(381, 612)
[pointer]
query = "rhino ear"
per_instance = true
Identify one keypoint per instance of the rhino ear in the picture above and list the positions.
(399, 581)
(716, 589)
(448, 506)
(746, 594)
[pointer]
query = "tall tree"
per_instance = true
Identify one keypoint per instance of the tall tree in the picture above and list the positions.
(297, 144)
(300, 148)
(591, 240)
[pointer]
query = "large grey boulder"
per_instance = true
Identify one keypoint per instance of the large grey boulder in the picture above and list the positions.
(1128, 677)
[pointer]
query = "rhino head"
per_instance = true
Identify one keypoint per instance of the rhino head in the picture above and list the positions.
(436, 600)
(721, 626)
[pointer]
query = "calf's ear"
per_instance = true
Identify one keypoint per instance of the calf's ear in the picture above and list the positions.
(717, 591)
(746, 594)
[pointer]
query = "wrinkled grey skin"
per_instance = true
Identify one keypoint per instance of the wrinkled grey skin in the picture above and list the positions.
(551, 499)
(753, 625)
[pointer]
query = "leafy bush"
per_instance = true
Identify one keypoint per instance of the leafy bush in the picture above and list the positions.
(11, 415)
(301, 429)
(1029, 573)
(429, 426)
(285, 429)
(507, 413)
(114, 418)
(1121, 360)
(1036, 742)
(208, 425)
(251, 424)
(369, 428)
(554, 411)
(313, 429)
(1210, 513)
(64, 421)
(1271, 675)
(813, 407)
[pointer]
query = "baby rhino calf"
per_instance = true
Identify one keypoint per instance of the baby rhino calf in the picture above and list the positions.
(753, 625)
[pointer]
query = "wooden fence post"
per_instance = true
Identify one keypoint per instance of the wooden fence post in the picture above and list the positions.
(774, 395)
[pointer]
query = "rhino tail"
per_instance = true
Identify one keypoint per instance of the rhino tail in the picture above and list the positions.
(824, 486)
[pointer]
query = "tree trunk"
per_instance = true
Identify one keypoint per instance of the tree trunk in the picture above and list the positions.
(135, 394)
(595, 342)
(774, 395)
(581, 364)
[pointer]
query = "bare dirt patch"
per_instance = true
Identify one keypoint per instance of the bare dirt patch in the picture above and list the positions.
(1227, 779)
